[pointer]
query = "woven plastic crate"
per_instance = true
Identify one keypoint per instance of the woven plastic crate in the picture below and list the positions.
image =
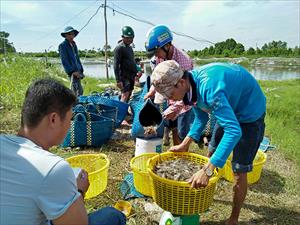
(96, 166)
(88, 129)
(141, 177)
(178, 197)
(100, 109)
(254, 175)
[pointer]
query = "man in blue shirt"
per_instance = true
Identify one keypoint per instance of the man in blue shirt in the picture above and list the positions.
(70, 60)
(234, 97)
(38, 187)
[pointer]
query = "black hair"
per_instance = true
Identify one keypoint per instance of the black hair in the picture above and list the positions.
(137, 60)
(43, 97)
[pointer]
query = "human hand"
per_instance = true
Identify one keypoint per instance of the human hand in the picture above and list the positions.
(209, 154)
(120, 85)
(76, 74)
(199, 179)
(150, 94)
(170, 116)
(83, 181)
(179, 148)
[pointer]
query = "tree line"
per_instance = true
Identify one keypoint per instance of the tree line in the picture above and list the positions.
(231, 48)
(228, 48)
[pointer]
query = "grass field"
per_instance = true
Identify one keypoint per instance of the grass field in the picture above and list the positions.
(273, 200)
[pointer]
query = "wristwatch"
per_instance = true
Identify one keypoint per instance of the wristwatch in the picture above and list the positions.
(208, 171)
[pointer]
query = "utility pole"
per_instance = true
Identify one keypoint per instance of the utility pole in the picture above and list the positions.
(106, 44)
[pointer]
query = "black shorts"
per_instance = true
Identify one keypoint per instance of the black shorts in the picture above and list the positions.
(245, 150)
(128, 84)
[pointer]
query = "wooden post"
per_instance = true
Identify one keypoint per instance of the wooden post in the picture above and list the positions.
(46, 57)
(106, 44)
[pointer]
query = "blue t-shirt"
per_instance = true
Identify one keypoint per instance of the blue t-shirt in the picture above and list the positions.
(36, 185)
(233, 96)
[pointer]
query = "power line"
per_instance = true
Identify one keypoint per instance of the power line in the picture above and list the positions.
(100, 6)
(133, 17)
(152, 24)
(57, 28)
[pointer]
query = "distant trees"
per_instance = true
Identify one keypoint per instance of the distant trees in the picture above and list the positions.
(5, 45)
(231, 48)
(227, 48)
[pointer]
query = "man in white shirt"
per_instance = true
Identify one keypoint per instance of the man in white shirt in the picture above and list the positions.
(36, 186)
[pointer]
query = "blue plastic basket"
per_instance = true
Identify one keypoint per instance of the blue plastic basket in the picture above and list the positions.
(102, 110)
(137, 129)
(122, 106)
(88, 129)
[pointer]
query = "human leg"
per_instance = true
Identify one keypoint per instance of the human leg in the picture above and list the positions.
(107, 216)
(184, 122)
(240, 187)
(172, 126)
(166, 136)
(76, 86)
(242, 163)
(128, 85)
(217, 135)
(175, 136)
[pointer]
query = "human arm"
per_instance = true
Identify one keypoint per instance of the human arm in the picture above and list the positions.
(174, 109)
(232, 133)
(198, 125)
(117, 63)
(66, 62)
(183, 146)
(59, 199)
(75, 214)
(150, 93)
(226, 118)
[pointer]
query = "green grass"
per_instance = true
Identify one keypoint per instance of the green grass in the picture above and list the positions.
(274, 200)
(283, 116)
(16, 73)
(283, 105)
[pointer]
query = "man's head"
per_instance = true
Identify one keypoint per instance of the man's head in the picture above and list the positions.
(69, 33)
(158, 41)
(48, 101)
(127, 35)
(169, 81)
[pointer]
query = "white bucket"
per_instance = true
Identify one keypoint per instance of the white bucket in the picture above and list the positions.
(148, 146)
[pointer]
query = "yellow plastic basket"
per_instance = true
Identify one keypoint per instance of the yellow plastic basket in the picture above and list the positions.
(178, 197)
(96, 166)
(254, 175)
(141, 178)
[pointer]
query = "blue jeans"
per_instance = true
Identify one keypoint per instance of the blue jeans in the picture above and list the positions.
(245, 150)
(184, 123)
(106, 216)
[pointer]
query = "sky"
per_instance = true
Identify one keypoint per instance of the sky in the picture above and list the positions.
(35, 26)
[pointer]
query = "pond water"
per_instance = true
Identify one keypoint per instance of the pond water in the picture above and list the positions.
(261, 69)
(261, 72)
